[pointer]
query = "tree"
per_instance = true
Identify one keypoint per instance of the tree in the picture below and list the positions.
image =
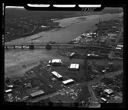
(31, 47)
(48, 47)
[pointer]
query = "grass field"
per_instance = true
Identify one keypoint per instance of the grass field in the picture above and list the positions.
(15, 60)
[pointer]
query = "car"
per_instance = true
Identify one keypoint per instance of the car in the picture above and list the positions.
(103, 99)
(72, 55)
(48, 65)
(53, 79)
(25, 98)
(50, 86)
(27, 47)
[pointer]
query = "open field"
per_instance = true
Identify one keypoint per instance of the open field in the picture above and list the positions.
(17, 62)
(14, 60)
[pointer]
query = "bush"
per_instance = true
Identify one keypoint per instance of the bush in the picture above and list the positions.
(31, 47)
(48, 47)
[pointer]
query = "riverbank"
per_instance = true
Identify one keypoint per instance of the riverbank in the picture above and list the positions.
(72, 27)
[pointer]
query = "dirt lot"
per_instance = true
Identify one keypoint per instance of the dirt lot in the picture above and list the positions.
(77, 75)
(17, 62)
(104, 62)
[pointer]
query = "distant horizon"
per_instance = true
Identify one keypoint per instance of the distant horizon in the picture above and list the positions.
(22, 7)
(18, 7)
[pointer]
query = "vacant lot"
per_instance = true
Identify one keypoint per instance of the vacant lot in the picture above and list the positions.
(17, 62)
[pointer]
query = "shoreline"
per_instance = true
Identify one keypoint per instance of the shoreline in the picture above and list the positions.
(68, 32)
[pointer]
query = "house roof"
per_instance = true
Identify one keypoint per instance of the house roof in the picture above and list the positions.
(109, 91)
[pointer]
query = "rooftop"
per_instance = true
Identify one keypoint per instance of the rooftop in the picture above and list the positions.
(37, 93)
(56, 74)
(68, 81)
(109, 91)
(74, 66)
(56, 61)
(9, 90)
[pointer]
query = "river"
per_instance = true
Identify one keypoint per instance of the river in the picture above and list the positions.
(71, 28)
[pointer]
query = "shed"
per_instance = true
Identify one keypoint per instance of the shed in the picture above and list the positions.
(108, 91)
(56, 74)
(37, 93)
(8, 90)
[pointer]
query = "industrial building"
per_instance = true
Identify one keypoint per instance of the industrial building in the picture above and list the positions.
(74, 66)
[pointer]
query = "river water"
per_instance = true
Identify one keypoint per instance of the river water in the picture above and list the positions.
(71, 28)
(14, 60)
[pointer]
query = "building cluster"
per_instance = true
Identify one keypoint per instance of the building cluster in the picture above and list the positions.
(85, 38)
(109, 90)
(106, 94)
(67, 95)
(107, 34)
(29, 87)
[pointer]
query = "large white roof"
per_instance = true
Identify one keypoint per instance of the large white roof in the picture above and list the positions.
(74, 66)
(56, 74)
(56, 61)
(67, 81)
(119, 45)
(9, 90)
(109, 91)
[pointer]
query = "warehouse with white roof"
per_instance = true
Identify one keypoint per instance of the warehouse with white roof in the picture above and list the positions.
(74, 66)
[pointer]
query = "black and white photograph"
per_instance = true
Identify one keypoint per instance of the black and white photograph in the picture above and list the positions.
(63, 58)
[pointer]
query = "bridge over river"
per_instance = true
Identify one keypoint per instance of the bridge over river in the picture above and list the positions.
(55, 46)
